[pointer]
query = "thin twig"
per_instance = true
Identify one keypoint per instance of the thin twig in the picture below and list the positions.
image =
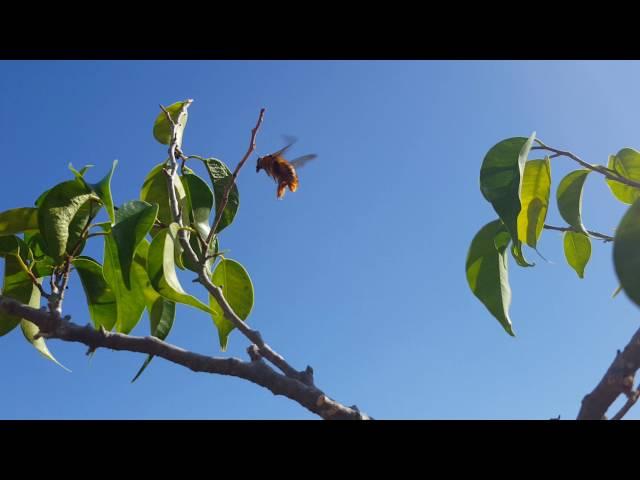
(225, 197)
(601, 169)
(601, 236)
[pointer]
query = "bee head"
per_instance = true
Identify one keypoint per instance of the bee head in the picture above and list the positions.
(258, 165)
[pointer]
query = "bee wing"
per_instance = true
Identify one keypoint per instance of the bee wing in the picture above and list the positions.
(289, 140)
(303, 160)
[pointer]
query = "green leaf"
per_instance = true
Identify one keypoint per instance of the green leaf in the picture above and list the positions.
(161, 311)
(17, 285)
(627, 164)
(29, 330)
(162, 271)
(161, 315)
(569, 196)
(626, 252)
(200, 201)
(577, 250)
(237, 288)
(534, 195)
(18, 220)
(43, 264)
(220, 178)
(133, 222)
(79, 174)
(9, 245)
(155, 189)
(500, 183)
(162, 129)
(100, 298)
(57, 219)
(487, 273)
(103, 190)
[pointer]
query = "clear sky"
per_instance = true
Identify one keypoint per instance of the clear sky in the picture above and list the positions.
(361, 272)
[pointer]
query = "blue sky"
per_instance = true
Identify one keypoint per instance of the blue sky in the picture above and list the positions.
(361, 272)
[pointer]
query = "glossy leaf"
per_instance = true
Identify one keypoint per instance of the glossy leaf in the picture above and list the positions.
(44, 265)
(57, 219)
(577, 251)
(29, 330)
(626, 163)
(237, 289)
(220, 178)
(9, 245)
(162, 129)
(133, 222)
(155, 190)
(17, 285)
(161, 315)
(626, 252)
(534, 195)
(100, 298)
(160, 310)
(500, 183)
(487, 273)
(18, 220)
(162, 271)
(569, 197)
(200, 201)
(135, 219)
(103, 190)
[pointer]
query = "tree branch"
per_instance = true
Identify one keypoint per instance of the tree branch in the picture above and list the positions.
(257, 371)
(608, 173)
(617, 380)
(601, 236)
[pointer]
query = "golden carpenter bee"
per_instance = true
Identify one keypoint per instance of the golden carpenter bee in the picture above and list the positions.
(283, 171)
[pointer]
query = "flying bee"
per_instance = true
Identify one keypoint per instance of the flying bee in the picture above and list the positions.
(282, 170)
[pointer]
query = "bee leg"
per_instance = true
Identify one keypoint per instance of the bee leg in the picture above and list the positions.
(281, 188)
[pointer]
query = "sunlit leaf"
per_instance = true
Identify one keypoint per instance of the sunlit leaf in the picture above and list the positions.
(162, 272)
(29, 330)
(627, 164)
(569, 196)
(577, 251)
(534, 194)
(18, 220)
(17, 284)
(162, 129)
(161, 311)
(155, 190)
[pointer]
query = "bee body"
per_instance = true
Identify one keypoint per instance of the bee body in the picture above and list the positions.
(281, 171)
